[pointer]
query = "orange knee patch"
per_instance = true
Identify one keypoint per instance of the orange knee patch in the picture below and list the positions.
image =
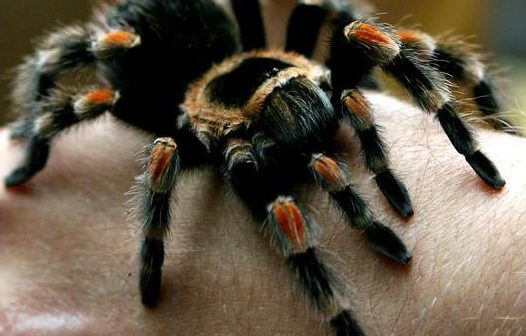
(160, 159)
(367, 33)
(329, 172)
(408, 36)
(357, 104)
(419, 40)
(120, 37)
(290, 220)
(100, 97)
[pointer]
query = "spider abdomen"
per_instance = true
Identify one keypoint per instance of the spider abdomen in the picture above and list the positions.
(153, 76)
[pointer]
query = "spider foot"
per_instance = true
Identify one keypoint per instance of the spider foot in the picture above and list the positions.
(395, 193)
(385, 241)
(152, 254)
(486, 170)
(357, 111)
(18, 177)
(37, 153)
(346, 325)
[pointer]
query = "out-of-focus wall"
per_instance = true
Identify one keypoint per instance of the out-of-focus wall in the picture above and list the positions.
(466, 17)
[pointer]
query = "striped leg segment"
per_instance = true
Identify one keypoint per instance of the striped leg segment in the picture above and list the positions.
(430, 90)
(67, 50)
(356, 49)
(370, 45)
(357, 111)
(64, 50)
(462, 139)
(292, 233)
(156, 183)
(304, 26)
(60, 111)
(333, 177)
(456, 59)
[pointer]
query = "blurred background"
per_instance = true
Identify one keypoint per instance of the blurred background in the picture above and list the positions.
(497, 25)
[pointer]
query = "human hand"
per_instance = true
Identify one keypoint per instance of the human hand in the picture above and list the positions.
(69, 263)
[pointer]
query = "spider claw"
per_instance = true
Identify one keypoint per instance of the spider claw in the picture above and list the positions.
(385, 241)
(486, 170)
(395, 192)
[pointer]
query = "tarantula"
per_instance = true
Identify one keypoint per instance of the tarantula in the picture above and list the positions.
(186, 71)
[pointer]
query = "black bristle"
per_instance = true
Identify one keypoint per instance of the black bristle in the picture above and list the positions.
(395, 193)
(385, 241)
(37, 154)
(344, 324)
(316, 280)
(152, 256)
(456, 130)
(303, 28)
(299, 115)
(250, 20)
(373, 149)
(486, 170)
(485, 98)
(17, 177)
(353, 207)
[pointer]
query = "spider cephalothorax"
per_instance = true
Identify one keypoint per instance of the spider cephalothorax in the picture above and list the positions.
(264, 118)
(267, 91)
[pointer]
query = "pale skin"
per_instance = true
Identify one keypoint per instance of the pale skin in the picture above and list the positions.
(69, 263)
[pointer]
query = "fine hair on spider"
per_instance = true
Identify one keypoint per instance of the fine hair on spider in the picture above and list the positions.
(187, 71)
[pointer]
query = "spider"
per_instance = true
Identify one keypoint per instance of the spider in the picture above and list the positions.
(188, 71)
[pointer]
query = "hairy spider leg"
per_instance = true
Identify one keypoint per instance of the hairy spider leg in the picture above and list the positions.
(48, 109)
(310, 18)
(155, 185)
(349, 106)
(292, 233)
(357, 111)
(250, 20)
(61, 110)
(66, 50)
(304, 26)
(333, 178)
(370, 45)
(457, 60)
(61, 51)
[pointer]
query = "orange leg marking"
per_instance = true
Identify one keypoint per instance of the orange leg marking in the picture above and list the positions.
(357, 104)
(368, 33)
(289, 219)
(119, 37)
(101, 96)
(329, 170)
(408, 36)
(160, 160)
